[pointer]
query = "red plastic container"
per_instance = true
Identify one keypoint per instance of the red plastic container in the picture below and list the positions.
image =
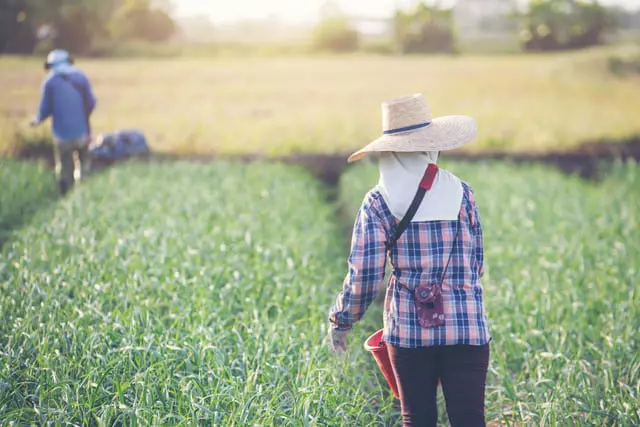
(376, 346)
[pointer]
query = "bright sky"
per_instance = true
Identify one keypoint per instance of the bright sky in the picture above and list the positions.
(286, 10)
(300, 10)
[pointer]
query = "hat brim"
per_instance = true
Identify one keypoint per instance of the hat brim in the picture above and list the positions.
(444, 133)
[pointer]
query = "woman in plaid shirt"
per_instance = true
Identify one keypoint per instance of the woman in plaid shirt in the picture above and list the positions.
(441, 249)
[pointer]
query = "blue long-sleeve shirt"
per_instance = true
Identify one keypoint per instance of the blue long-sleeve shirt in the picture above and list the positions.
(64, 103)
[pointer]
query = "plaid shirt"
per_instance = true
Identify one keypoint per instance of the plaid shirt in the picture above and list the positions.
(419, 257)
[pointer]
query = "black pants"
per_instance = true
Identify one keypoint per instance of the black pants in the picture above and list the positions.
(462, 370)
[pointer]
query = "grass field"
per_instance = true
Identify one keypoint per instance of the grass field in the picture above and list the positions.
(332, 104)
(26, 188)
(173, 293)
(176, 294)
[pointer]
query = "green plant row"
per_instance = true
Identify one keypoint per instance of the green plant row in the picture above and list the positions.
(25, 188)
(176, 294)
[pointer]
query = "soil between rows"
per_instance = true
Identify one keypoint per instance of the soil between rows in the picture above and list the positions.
(585, 160)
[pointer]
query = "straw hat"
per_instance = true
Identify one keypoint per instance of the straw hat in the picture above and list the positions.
(408, 127)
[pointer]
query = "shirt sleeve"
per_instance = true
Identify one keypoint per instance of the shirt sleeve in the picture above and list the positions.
(478, 239)
(46, 101)
(366, 269)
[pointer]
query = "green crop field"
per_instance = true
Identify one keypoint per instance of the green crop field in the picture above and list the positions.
(163, 294)
(174, 293)
(25, 188)
(332, 104)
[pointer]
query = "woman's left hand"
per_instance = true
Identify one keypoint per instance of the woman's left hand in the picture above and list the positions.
(339, 340)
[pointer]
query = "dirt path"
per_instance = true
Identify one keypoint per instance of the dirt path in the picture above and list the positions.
(585, 160)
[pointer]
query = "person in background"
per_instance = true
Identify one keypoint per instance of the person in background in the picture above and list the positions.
(435, 325)
(67, 97)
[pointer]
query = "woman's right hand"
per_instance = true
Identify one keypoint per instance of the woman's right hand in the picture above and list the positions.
(339, 340)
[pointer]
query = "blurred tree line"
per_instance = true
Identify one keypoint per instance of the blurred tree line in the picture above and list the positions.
(625, 19)
(426, 29)
(335, 34)
(100, 27)
(81, 26)
(544, 25)
(564, 24)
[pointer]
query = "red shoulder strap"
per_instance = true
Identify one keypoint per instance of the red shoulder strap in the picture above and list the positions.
(429, 177)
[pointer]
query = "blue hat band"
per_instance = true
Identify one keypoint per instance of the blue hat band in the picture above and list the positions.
(406, 129)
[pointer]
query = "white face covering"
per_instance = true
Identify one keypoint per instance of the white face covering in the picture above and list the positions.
(400, 175)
